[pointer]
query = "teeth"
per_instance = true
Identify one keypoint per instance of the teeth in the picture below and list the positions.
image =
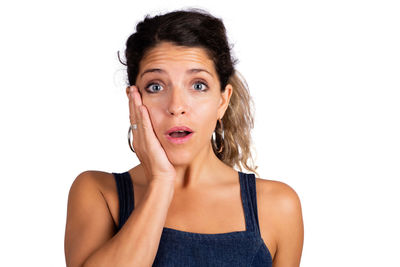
(179, 132)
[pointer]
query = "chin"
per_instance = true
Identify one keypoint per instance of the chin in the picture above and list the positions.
(180, 157)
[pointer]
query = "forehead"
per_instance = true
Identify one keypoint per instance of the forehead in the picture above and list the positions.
(168, 54)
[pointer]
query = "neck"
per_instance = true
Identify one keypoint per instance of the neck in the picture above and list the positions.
(200, 171)
(203, 169)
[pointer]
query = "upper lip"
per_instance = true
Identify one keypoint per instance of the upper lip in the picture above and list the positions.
(179, 128)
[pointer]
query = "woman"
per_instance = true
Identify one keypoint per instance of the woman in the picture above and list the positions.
(184, 204)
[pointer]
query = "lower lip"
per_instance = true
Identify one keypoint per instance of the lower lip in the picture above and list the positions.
(179, 140)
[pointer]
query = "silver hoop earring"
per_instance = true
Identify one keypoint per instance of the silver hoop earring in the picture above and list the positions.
(131, 127)
(214, 140)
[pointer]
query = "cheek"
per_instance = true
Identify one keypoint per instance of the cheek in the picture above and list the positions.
(206, 118)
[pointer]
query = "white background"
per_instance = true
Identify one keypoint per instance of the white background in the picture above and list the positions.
(324, 75)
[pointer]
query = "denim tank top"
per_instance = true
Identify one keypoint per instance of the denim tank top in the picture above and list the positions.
(181, 248)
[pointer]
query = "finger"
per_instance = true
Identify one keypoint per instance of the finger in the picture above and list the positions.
(147, 127)
(137, 99)
(137, 104)
(134, 118)
(142, 110)
(146, 122)
(131, 107)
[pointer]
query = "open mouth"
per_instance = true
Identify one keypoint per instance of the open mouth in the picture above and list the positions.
(179, 134)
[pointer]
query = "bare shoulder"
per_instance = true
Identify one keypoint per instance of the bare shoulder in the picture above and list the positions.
(279, 195)
(105, 183)
(101, 180)
(92, 186)
(281, 220)
(89, 220)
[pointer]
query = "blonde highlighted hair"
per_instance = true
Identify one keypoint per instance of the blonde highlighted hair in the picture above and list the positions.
(238, 121)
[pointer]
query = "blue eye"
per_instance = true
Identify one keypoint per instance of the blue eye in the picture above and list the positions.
(149, 86)
(202, 83)
(152, 87)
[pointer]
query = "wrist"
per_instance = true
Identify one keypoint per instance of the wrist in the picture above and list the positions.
(162, 185)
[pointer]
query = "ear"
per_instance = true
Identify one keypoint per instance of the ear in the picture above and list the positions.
(224, 100)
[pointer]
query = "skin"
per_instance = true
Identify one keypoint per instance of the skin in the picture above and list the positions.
(181, 98)
(176, 102)
(204, 185)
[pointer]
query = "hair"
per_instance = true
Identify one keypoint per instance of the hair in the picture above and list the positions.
(197, 28)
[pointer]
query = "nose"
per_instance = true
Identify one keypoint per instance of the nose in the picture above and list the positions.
(177, 102)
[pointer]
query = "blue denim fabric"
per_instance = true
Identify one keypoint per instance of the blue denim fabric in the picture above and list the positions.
(181, 248)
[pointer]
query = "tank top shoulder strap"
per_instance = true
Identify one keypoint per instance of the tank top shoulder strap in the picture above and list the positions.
(125, 196)
(249, 200)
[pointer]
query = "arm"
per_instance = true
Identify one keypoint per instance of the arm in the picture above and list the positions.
(290, 229)
(89, 234)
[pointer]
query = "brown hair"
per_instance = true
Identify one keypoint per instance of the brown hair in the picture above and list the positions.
(198, 28)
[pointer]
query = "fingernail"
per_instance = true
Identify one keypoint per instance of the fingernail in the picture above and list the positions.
(131, 89)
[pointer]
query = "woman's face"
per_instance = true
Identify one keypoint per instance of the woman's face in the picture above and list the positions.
(177, 93)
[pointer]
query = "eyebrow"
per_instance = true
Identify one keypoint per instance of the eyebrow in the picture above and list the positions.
(163, 71)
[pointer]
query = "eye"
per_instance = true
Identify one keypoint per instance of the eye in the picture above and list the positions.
(153, 89)
(199, 85)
